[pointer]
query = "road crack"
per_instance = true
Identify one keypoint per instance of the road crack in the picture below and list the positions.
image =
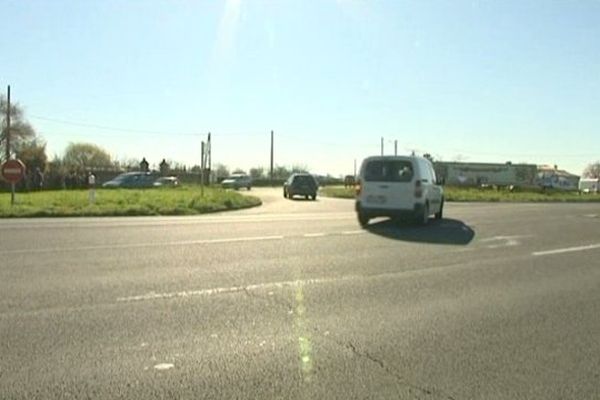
(356, 351)
(390, 371)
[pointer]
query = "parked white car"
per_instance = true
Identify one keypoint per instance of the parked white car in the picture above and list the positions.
(396, 187)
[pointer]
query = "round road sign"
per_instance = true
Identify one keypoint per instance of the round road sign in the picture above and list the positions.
(13, 171)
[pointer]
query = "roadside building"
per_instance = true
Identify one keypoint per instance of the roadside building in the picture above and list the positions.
(549, 176)
(481, 174)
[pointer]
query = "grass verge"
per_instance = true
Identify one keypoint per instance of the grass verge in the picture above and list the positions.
(473, 194)
(339, 192)
(185, 200)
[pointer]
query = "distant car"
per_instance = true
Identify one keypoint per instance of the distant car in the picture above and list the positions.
(131, 180)
(237, 181)
(349, 181)
(166, 181)
(301, 185)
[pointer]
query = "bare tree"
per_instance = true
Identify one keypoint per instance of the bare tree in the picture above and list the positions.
(592, 170)
(257, 172)
(221, 171)
(299, 168)
(281, 172)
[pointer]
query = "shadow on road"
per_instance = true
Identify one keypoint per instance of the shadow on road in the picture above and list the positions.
(298, 198)
(446, 231)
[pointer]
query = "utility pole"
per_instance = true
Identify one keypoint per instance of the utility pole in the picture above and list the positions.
(382, 146)
(271, 158)
(209, 157)
(8, 125)
(355, 169)
(202, 162)
(12, 185)
(395, 147)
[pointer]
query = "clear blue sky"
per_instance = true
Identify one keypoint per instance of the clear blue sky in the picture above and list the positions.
(473, 80)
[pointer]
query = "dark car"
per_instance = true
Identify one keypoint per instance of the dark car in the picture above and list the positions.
(301, 185)
(131, 180)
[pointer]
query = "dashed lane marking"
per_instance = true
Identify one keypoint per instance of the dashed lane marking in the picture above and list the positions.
(142, 245)
(165, 221)
(313, 235)
(120, 246)
(357, 232)
(163, 366)
(566, 250)
(504, 241)
(232, 289)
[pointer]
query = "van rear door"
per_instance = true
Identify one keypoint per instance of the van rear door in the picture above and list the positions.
(388, 184)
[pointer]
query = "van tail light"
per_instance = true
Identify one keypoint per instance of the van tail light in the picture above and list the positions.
(418, 189)
(358, 187)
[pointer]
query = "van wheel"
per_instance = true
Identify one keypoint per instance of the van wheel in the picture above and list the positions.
(285, 195)
(314, 197)
(440, 214)
(363, 219)
(423, 217)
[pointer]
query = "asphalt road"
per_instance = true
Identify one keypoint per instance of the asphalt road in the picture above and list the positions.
(293, 300)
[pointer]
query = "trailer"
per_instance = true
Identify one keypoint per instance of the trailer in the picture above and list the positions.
(487, 174)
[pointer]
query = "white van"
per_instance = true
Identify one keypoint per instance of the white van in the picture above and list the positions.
(589, 185)
(398, 186)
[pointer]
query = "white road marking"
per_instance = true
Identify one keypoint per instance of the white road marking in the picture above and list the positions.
(357, 232)
(232, 289)
(504, 241)
(566, 250)
(117, 246)
(163, 367)
(134, 222)
(141, 245)
(313, 235)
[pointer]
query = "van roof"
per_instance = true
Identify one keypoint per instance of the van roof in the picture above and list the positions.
(392, 158)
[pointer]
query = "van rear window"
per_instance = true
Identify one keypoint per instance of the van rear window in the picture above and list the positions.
(389, 171)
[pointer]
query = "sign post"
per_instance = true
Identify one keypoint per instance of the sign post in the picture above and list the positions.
(92, 185)
(13, 171)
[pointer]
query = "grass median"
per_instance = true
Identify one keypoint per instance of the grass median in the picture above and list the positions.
(486, 195)
(185, 200)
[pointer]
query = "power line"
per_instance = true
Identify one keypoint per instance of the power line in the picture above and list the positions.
(532, 155)
(138, 131)
(290, 136)
(110, 128)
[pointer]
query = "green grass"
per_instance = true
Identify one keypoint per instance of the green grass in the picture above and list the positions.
(185, 200)
(488, 195)
(338, 192)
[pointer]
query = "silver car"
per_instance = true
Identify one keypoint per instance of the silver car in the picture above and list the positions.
(237, 181)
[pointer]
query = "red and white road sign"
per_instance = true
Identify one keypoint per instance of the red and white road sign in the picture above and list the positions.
(13, 171)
